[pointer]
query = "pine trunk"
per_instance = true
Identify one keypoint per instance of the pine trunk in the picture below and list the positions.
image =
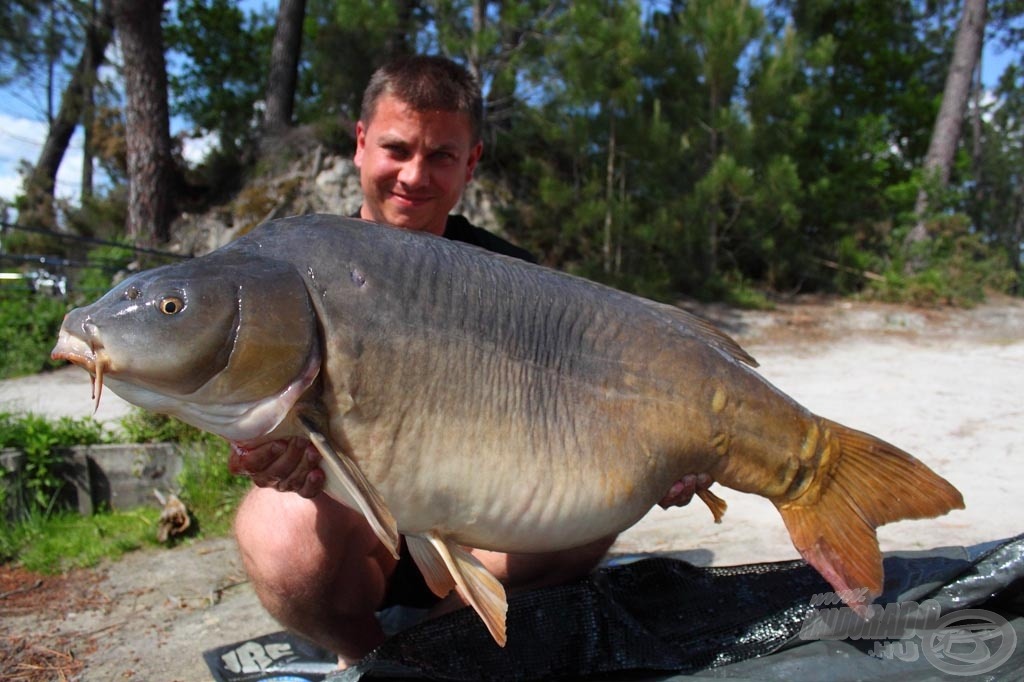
(938, 162)
(284, 66)
(147, 126)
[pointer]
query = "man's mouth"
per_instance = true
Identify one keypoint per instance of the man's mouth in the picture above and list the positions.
(410, 200)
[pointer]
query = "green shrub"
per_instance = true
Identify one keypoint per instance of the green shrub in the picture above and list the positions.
(95, 280)
(954, 266)
(209, 490)
(49, 539)
(141, 426)
(39, 438)
(29, 323)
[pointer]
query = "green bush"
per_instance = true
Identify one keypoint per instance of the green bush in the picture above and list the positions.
(95, 280)
(39, 438)
(141, 426)
(29, 323)
(954, 266)
(209, 490)
(50, 539)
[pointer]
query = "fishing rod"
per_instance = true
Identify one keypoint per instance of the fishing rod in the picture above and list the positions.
(7, 226)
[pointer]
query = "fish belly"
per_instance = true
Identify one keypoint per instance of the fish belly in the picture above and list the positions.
(539, 463)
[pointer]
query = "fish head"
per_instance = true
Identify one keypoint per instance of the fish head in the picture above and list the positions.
(227, 342)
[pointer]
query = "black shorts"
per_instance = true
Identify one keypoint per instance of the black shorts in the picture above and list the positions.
(407, 586)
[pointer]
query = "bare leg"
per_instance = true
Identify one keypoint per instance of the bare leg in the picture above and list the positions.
(317, 568)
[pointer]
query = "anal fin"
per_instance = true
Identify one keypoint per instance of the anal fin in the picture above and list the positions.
(347, 484)
(445, 565)
(715, 503)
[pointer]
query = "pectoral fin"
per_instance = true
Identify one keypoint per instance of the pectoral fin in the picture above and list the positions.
(347, 484)
(446, 565)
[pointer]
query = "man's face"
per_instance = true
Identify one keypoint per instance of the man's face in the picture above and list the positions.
(413, 165)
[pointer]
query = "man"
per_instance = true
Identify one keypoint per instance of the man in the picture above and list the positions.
(316, 565)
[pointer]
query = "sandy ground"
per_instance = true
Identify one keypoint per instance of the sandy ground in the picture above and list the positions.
(65, 392)
(943, 384)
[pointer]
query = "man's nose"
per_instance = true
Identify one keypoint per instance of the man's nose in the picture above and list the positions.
(414, 172)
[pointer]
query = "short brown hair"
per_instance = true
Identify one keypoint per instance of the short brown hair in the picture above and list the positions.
(426, 83)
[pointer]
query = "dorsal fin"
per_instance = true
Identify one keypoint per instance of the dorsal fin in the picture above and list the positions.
(691, 325)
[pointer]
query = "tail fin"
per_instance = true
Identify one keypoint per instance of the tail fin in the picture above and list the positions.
(870, 484)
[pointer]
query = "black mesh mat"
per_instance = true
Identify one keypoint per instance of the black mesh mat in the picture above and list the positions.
(658, 615)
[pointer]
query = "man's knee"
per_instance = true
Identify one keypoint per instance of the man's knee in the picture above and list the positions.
(276, 536)
(269, 522)
(301, 550)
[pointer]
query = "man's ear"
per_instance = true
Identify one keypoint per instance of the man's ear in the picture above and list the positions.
(474, 157)
(357, 158)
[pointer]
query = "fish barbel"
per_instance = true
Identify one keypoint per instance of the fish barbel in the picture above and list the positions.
(466, 399)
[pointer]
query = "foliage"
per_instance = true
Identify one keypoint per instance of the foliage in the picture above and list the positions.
(344, 42)
(997, 199)
(30, 320)
(39, 439)
(956, 268)
(50, 539)
(28, 329)
(710, 148)
(36, 40)
(103, 263)
(209, 489)
(142, 426)
(224, 54)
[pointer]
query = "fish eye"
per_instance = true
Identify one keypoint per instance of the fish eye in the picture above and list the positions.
(170, 305)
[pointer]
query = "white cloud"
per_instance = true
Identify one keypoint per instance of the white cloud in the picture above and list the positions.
(21, 139)
(195, 149)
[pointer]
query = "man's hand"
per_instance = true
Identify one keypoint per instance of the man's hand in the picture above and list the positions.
(287, 465)
(683, 490)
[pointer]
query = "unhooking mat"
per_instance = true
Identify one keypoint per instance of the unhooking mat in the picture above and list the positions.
(945, 614)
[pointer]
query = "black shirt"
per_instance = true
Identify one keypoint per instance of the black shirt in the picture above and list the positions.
(457, 228)
(461, 230)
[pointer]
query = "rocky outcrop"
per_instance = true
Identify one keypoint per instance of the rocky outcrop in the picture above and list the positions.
(311, 181)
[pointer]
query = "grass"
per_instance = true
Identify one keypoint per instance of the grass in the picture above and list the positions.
(209, 490)
(57, 542)
(53, 541)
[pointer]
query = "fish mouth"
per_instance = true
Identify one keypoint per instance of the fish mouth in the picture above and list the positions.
(89, 355)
